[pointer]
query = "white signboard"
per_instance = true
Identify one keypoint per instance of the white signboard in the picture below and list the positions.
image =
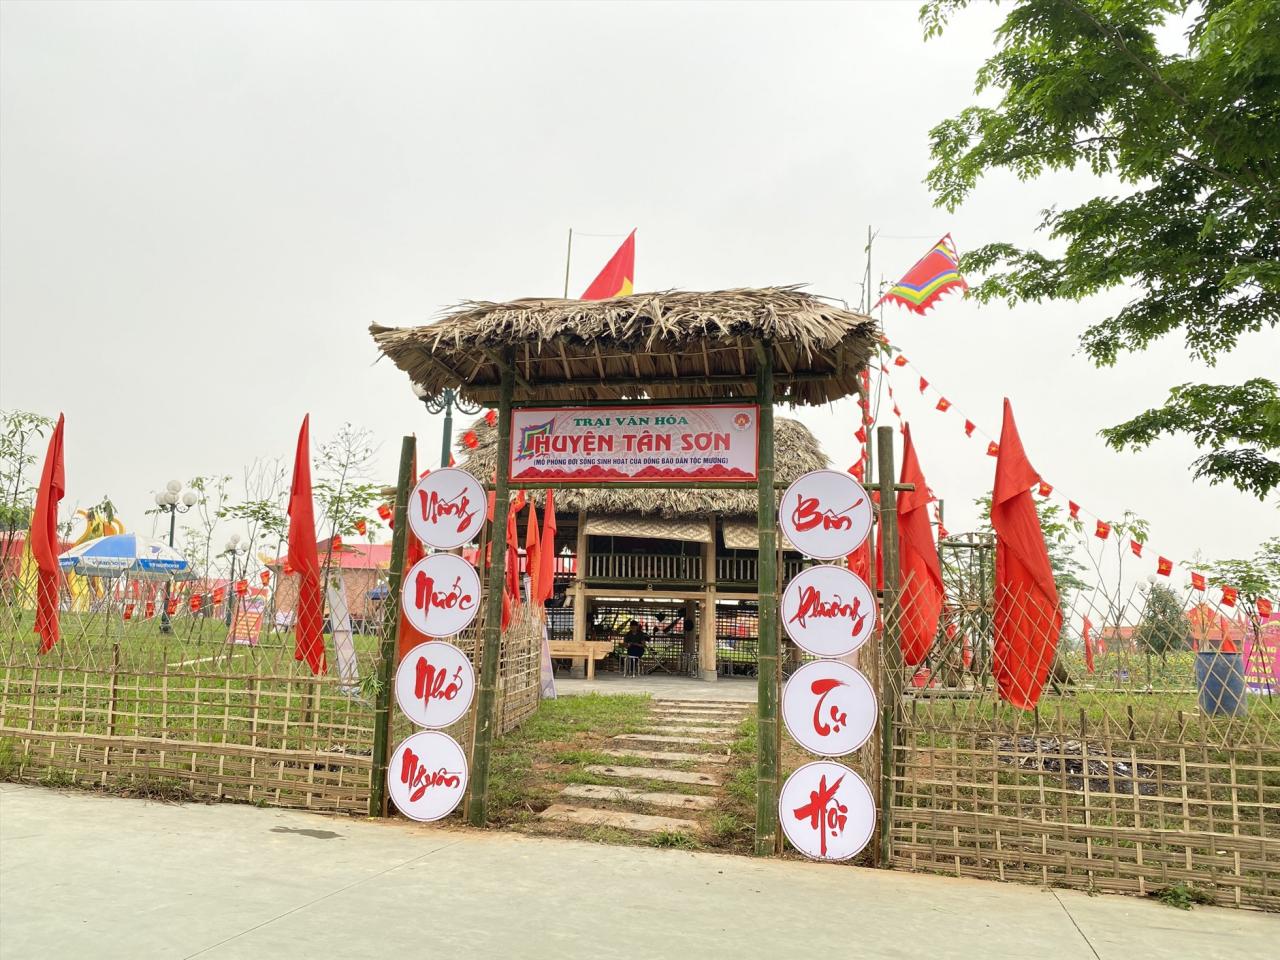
(826, 514)
(828, 611)
(447, 508)
(435, 684)
(827, 811)
(427, 776)
(829, 708)
(441, 595)
(641, 444)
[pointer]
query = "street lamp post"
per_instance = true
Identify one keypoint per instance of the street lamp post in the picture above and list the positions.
(234, 549)
(168, 502)
(445, 402)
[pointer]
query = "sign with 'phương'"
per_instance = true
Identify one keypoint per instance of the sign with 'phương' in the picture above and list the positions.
(637, 444)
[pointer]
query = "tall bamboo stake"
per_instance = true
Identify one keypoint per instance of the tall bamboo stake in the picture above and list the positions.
(390, 633)
(891, 649)
(487, 705)
(767, 629)
(568, 258)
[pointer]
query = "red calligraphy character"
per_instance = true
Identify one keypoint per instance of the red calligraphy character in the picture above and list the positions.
(838, 717)
(824, 812)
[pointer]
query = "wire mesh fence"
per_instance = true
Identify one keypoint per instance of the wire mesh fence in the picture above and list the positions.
(193, 689)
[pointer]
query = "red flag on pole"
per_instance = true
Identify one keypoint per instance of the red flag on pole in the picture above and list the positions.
(1027, 617)
(43, 538)
(532, 556)
(617, 279)
(1088, 645)
(547, 551)
(920, 573)
(304, 558)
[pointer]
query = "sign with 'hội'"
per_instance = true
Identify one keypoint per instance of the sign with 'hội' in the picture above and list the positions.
(640, 444)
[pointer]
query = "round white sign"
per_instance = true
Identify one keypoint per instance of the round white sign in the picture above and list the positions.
(435, 683)
(829, 708)
(826, 811)
(441, 594)
(427, 776)
(447, 508)
(828, 611)
(826, 514)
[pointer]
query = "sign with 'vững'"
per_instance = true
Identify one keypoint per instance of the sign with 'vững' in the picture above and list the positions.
(639, 444)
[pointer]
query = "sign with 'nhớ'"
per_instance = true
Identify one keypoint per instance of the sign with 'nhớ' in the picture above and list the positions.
(639, 444)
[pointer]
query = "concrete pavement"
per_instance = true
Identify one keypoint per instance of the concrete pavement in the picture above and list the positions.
(83, 875)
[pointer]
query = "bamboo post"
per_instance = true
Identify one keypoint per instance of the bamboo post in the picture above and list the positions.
(390, 633)
(767, 689)
(891, 650)
(487, 701)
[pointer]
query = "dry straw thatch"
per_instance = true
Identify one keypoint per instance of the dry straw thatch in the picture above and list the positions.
(797, 453)
(672, 345)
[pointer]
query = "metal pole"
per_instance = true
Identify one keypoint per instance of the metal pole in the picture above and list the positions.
(448, 428)
(165, 625)
(487, 701)
(567, 258)
(390, 633)
(767, 630)
(891, 649)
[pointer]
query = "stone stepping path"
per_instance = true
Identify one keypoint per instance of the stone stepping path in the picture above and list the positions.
(662, 756)
(710, 720)
(659, 738)
(596, 817)
(594, 791)
(718, 732)
(655, 773)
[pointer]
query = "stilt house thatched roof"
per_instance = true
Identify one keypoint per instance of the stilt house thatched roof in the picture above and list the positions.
(672, 345)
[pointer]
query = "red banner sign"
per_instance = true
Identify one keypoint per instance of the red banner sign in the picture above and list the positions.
(640, 444)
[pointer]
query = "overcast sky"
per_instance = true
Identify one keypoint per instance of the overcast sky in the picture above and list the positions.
(203, 207)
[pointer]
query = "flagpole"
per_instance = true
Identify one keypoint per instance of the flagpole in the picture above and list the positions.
(568, 256)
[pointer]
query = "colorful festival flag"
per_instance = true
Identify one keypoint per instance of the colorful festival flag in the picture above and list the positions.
(617, 279)
(933, 275)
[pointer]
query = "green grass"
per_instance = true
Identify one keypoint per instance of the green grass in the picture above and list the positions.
(674, 839)
(1183, 896)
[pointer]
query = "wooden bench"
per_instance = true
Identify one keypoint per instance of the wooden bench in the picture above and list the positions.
(588, 650)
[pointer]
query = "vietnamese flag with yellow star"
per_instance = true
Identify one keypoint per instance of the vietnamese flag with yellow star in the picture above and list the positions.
(617, 279)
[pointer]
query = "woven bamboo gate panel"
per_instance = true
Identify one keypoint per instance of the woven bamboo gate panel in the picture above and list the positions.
(1126, 779)
(120, 705)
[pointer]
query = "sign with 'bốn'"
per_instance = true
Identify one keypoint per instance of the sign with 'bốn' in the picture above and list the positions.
(638, 444)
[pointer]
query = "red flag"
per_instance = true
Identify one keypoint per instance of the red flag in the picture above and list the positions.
(1164, 566)
(43, 538)
(993, 449)
(1197, 581)
(1027, 617)
(547, 555)
(128, 611)
(242, 587)
(943, 404)
(196, 603)
(149, 609)
(513, 558)
(1044, 489)
(617, 279)
(920, 573)
(533, 558)
(1088, 646)
(1136, 547)
(933, 275)
(1264, 607)
(491, 417)
(900, 360)
(923, 383)
(470, 440)
(1229, 595)
(362, 527)
(265, 577)
(969, 427)
(172, 606)
(409, 636)
(219, 594)
(1074, 509)
(384, 511)
(305, 559)
(860, 434)
(1102, 530)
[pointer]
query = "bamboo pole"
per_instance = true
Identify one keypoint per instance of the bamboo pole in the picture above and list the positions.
(390, 633)
(891, 650)
(767, 689)
(487, 706)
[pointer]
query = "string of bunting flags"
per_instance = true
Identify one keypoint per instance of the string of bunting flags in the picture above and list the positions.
(1102, 529)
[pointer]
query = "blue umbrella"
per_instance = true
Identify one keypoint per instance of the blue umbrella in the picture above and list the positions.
(124, 553)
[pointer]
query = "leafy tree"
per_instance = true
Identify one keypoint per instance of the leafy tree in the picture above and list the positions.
(1194, 136)
(1164, 625)
(1253, 578)
(20, 436)
(1060, 540)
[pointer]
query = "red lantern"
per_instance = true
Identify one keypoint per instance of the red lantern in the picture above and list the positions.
(242, 587)
(470, 440)
(491, 417)
(196, 603)
(219, 594)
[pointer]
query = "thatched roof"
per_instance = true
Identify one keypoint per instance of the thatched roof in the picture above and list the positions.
(669, 345)
(796, 453)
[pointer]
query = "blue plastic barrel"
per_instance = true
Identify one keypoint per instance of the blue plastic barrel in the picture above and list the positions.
(1220, 681)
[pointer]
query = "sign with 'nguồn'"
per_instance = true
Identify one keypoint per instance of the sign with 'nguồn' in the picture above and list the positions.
(639, 444)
